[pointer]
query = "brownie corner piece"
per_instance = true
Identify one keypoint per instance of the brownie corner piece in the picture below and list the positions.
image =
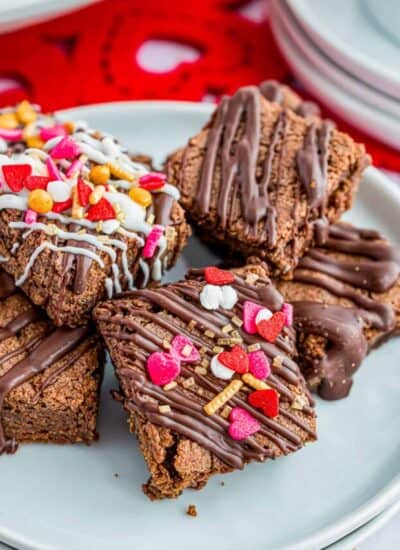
(175, 351)
(49, 377)
(259, 175)
(80, 218)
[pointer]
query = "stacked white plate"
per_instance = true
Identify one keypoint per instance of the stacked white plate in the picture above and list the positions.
(347, 54)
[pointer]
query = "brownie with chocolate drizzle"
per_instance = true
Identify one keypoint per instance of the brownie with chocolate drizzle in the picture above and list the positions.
(80, 219)
(207, 375)
(261, 173)
(49, 377)
(346, 298)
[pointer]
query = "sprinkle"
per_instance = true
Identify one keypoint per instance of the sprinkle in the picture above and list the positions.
(299, 402)
(271, 329)
(60, 207)
(259, 365)
(163, 368)
(100, 174)
(166, 344)
(191, 511)
(236, 321)
(69, 126)
(243, 424)
(77, 210)
(141, 196)
(203, 350)
(226, 411)
(229, 341)
(60, 191)
(103, 210)
(251, 278)
(205, 362)
(152, 241)
(40, 201)
(25, 112)
(152, 181)
(30, 216)
(11, 135)
(253, 382)
(164, 409)
(188, 382)
(34, 141)
(254, 347)
(264, 314)
(8, 121)
(119, 173)
(217, 349)
(97, 194)
(183, 348)
(277, 361)
(15, 175)
(287, 310)
(110, 226)
(200, 370)
(170, 386)
(52, 132)
(236, 359)
(209, 333)
(75, 168)
(150, 219)
(192, 323)
(219, 370)
(229, 297)
(223, 397)
(186, 350)
(227, 329)
(267, 400)
(249, 314)
(52, 169)
(216, 276)
(66, 148)
(210, 297)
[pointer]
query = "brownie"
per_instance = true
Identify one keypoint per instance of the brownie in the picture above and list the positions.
(346, 298)
(49, 377)
(205, 393)
(258, 176)
(80, 220)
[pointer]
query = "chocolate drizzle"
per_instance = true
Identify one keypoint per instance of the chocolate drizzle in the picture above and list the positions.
(39, 353)
(233, 147)
(343, 328)
(171, 308)
(371, 266)
(278, 93)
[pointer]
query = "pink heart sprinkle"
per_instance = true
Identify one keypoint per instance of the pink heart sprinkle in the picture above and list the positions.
(152, 241)
(163, 368)
(183, 348)
(242, 424)
(249, 314)
(50, 133)
(11, 135)
(65, 149)
(287, 310)
(153, 177)
(259, 365)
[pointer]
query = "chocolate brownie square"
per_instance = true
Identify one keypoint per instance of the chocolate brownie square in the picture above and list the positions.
(80, 220)
(258, 176)
(49, 377)
(207, 375)
(346, 298)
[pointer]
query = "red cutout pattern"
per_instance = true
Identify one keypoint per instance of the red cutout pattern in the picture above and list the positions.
(90, 56)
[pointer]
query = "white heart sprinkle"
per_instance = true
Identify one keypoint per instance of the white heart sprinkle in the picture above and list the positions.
(263, 315)
(229, 297)
(219, 370)
(211, 296)
(60, 191)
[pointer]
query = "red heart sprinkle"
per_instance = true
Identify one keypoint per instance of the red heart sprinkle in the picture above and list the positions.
(267, 400)
(15, 175)
(84, 192)
(59, 207)
(36, 182)
(271, 329)
(216, 276)
(236, 359)
(103, 210)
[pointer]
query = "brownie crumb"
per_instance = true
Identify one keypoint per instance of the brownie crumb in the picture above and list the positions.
(191, 511)
(116, 475)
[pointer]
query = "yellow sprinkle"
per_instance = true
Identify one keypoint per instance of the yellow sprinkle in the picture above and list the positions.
(170, 386)
(141, 196)
(186, 351)
(8, 121)
(277, 361)
(299, 402)
(227, 329)
(97, 194)
(200, 370)
(164, 409)
(25, 112)
(99, 226)
(99, 174)
(166, 344)
(217, 349)
(191, 324)
(119, 173)
(188, 383)
(236, 321)
(205, 362)
(226, 411)
(254, 382)
(219, 400)
(40, 201)
(34, 142)
(69, 126)
(150, 219)
(251, 278)
(77, 211)
(254, 347)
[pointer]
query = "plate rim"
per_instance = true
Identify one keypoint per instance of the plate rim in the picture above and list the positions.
(384, 498)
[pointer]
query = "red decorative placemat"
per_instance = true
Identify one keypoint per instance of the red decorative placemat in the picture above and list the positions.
(94, 55)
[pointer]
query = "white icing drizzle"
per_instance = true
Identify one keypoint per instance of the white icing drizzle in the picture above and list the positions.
(146, 271)
(14, 248)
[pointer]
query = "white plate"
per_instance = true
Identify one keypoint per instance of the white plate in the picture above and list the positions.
(15, 14)
(374, 122)
(375, 98)
(67, 497)
(347, 33)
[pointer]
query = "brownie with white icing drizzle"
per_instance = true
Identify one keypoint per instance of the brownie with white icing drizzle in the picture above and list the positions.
(49, 377)
(80, 220)
(346, 298)
(207, 375)
(260, 174)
